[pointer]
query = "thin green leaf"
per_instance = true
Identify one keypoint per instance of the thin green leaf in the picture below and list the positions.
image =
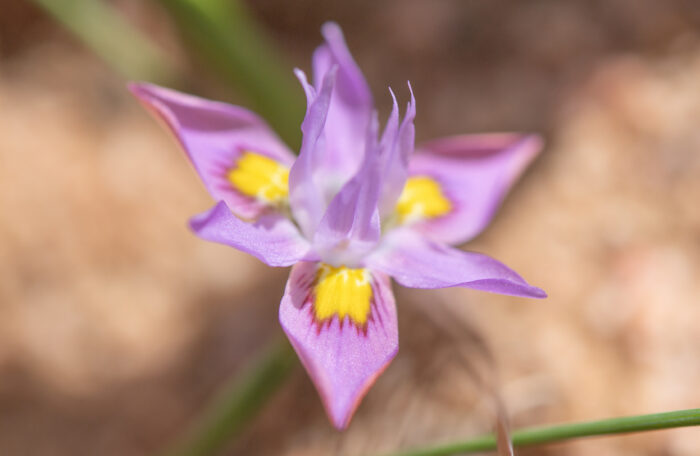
(224, 36)
(238, 402)
(542, 435)
(103, 28)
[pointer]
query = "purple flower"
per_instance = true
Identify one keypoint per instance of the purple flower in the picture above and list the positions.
(349, 213)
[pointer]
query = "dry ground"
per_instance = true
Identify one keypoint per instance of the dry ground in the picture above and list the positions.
(117, 325)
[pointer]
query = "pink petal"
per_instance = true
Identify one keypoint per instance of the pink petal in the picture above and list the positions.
(350, 108)
(350, 226)
(475, 173)
(397, 145)
(342, 359)
(415, 261)
(273, 239)
(214, 135)
(306, 196)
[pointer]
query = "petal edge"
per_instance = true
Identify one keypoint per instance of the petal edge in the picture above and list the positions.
(214, 135)
(475, 172)
(415, 261)
(342, 359)
(273, 239)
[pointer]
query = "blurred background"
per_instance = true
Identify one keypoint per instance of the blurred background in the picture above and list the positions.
(118, 326)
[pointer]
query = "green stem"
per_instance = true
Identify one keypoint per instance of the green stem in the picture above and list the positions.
(540, 435)
(225, 36)
(102, 28)
(238, 402)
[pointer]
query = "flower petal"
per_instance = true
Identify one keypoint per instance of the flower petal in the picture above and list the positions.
(215, 135)
(350, 108)
(397, 144)
(273, 239)
(474, 173)
(306, 197)
(350, 226)
(417, 262)
(343, 357)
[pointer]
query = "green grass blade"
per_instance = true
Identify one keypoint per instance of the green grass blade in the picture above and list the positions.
(558, 433)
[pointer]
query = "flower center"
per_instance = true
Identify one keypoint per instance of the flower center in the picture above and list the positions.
(343, 292)
(260, 177)
(422, 197)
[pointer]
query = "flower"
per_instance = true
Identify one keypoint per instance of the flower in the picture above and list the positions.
(349, 213)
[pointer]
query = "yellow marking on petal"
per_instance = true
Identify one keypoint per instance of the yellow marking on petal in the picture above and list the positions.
(260, 177)
(343, 292)
(422, 197)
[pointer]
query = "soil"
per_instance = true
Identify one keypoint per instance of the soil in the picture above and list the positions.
(118, 326)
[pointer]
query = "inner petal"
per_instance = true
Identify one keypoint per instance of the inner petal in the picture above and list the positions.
(422, 197)
(342, 292)
(260, 177)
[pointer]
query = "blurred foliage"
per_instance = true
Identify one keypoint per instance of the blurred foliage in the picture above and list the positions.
(223, 34)
(102, 28)
(238, 402)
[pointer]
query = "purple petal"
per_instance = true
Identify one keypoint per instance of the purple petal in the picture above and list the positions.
(350, 227)
(273, 239)
(342, 358)
(417, 262)
(305, 196)
(397, 145)
(391, 130)
(214, 135)
(475, 172)
(350, 108)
